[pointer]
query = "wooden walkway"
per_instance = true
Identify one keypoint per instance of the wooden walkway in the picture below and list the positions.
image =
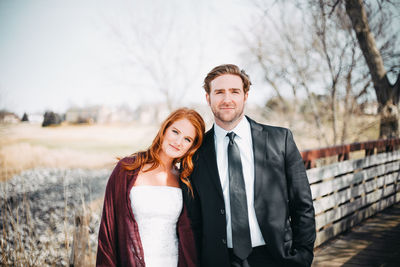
(375, 242)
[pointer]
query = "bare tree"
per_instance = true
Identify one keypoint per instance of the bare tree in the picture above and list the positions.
(283, 57)
(387, 93)
(163, 54)
(349, 82)
(322, 59)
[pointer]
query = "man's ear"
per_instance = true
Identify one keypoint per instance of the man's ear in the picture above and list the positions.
(208, 99)
(246, 95)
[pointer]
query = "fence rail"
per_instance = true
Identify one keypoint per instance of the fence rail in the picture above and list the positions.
(343, 151)
(347, 192)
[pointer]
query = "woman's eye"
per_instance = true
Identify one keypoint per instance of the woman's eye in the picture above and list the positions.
(175, 131)
(188, 140)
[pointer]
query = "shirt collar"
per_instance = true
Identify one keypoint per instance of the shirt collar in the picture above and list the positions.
(242, 130)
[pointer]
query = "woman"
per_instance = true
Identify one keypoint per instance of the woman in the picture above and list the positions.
(144, 221)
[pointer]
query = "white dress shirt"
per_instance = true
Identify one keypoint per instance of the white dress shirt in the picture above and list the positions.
(245, 144)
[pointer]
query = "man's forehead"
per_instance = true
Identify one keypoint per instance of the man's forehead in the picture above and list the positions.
(227, 81)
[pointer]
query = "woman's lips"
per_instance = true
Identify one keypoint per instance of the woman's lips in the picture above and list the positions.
(177, 149)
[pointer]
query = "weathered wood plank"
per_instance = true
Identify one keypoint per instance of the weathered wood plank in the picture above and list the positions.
(350, 207)
(339, 168)
(338, 183)
(354, 219)
(340, 197)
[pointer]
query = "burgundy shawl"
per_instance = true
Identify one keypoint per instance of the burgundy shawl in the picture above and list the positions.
(119, 241)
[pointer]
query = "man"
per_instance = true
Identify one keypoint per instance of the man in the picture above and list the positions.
(252, 202)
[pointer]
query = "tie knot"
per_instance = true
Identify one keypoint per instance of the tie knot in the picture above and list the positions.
(231, 136)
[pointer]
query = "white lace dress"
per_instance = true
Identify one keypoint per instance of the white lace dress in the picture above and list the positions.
(156, 210)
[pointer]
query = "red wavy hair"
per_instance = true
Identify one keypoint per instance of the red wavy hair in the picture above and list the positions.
(151, 155)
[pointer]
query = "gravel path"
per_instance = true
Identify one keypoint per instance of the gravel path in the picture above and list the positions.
(37, 211)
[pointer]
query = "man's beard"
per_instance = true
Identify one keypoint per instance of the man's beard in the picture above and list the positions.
(227, 118)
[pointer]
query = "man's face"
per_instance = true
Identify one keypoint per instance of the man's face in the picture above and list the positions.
(227, 100)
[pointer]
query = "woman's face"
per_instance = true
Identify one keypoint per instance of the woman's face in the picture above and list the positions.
(178, 138)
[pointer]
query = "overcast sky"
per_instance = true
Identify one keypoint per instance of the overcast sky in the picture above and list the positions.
(58, 53)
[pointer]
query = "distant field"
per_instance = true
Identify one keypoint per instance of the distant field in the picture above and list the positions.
(24, 146)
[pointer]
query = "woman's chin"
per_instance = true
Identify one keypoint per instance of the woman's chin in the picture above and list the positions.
(174, 155)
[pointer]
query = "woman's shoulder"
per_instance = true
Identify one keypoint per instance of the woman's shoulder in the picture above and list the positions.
(123, 165)
(122, 171)
(127, 160)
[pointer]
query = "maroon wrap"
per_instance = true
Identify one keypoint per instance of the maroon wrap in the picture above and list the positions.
(119, 241)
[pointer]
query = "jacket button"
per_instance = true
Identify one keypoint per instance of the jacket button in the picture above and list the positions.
(222, 211)
(224, 241)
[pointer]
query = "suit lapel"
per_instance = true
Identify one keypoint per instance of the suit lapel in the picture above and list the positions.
(209, 156)
(260, 151)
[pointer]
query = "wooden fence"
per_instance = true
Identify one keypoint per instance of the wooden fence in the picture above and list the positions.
(349, 191)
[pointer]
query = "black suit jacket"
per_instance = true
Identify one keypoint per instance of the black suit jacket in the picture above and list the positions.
(282, 199)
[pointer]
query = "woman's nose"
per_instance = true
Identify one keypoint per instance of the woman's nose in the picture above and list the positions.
(179, 141)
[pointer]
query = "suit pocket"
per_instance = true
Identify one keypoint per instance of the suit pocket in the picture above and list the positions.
(288, 232)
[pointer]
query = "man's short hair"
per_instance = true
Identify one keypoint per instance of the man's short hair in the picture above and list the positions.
(227, 69)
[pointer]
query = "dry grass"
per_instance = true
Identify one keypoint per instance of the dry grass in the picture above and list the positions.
(25, 146)
(75, 245)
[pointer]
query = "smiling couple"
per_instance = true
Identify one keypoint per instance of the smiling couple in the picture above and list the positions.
(240, 196)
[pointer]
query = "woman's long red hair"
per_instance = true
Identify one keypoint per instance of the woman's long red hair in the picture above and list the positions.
(151, 155)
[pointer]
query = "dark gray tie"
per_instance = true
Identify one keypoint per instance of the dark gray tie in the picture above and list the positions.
(239, 216)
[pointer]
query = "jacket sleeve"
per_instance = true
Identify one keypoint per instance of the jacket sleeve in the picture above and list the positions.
(302, 218)
(106, 250)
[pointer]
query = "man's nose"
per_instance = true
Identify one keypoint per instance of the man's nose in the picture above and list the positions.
(227, 97)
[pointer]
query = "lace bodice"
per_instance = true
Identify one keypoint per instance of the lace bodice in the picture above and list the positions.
(156, 210)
